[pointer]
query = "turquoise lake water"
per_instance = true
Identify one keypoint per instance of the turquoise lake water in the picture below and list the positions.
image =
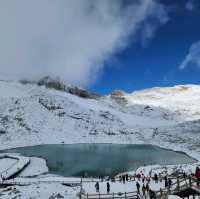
(101, 159)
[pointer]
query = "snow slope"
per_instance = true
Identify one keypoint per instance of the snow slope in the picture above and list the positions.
(32, 115)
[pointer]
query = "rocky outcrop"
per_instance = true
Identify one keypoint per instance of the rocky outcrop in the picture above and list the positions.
(119, 97)
(59, 85)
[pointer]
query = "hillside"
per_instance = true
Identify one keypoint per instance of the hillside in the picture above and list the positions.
(32, 114)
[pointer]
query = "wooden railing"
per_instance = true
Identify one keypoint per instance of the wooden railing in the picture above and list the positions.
(177, 187)
(125, 195)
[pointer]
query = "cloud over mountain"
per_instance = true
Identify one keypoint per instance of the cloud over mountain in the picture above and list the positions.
(70, 39)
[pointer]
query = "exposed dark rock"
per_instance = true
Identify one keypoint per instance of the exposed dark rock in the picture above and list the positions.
(2, 131)
(148, 108)
(58, 85)
(48, 104)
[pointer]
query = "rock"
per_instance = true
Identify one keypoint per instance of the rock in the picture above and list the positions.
(2, 131)
(117, 93)
(59, 85)
(119, 97)
(56, 196)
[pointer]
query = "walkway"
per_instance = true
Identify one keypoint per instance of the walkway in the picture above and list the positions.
(15, 168)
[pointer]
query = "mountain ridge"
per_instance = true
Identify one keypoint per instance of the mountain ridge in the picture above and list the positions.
(31, 114)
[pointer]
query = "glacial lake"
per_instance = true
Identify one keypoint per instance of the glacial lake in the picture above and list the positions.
(101, 159)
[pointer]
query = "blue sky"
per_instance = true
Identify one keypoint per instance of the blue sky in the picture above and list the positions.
(156, 62)
(101, 45)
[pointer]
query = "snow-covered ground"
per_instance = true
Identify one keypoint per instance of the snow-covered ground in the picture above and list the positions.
(6, 163)
(168, 117)
(32, 115)
(39, 191)
(19, 163)
(36, 167)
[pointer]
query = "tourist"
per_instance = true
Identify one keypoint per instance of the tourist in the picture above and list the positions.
(166, 181)
(161, 192)
(197, 173)
(147, 187)
(120, 178)
(143, 190)
(123, 179)
(156, 178)
(127, 177)
(143, 177)
(169, 183)
(138, 187)
(108, 187)
(97, 186)
(138, 176)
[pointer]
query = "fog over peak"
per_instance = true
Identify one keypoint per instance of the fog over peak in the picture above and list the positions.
(70, 39)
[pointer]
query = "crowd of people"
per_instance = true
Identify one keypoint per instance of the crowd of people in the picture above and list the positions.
(143, 183)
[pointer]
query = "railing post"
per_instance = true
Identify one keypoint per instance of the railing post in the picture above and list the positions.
(125, 195)
(99, 195)
(113, 195)
(87, 195)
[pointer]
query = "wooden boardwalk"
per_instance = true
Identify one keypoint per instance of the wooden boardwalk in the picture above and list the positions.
(183, 187)
(127, 195)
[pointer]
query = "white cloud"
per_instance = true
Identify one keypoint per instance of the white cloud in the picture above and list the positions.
(193, 56)
(190, 5)
(70, 39)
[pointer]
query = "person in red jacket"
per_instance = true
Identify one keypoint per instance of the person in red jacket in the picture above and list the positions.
(197, 173)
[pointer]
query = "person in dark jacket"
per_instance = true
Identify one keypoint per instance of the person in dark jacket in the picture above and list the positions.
(108, 187)
(143, 190)
(161, 192)
(97, 186)
(156, 177)
(169, 183)
(123, 179)
(126, 177)
(147, 187)
(138, 187)
(166, 182)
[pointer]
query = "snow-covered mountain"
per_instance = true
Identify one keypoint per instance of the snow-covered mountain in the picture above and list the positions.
(33, 114)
